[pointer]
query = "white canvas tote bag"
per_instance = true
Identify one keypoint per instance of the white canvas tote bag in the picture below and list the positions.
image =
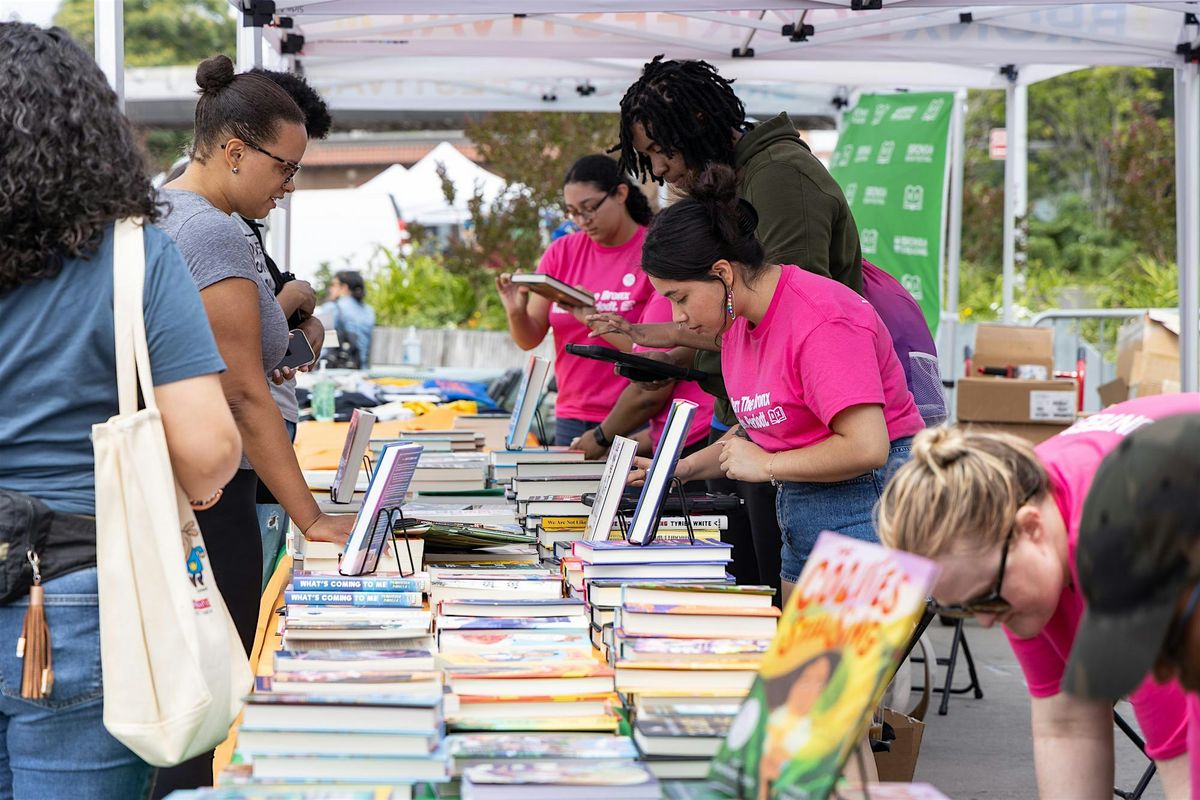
(173, 665)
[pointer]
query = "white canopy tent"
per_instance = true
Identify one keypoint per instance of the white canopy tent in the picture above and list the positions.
(418, 192)
(365, 45)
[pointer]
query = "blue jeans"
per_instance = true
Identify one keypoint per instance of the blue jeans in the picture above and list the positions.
(273, 526)
(57, 747)
(567, 430)
(846, 507)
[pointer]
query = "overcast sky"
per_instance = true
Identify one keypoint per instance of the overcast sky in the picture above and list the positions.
(39, 12)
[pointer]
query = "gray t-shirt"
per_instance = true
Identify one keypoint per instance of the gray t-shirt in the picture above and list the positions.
(284, 394)
(214, 248)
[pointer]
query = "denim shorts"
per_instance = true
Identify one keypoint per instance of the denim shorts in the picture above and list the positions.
(846, 507)
(57, 747)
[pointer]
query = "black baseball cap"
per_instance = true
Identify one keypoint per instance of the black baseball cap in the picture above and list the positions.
(1135, 555)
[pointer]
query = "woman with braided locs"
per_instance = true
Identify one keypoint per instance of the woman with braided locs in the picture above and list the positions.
(678, 118)
(70, 168)
(811, 372)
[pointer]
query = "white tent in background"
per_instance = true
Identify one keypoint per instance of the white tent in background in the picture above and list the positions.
(419, 196)
(361, 221)
(388, 181)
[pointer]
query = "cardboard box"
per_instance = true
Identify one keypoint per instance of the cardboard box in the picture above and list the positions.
(899, 762)
(1148, 349)
(1034, 433)
(1120, 390)
(1113, 392)
(985, 398)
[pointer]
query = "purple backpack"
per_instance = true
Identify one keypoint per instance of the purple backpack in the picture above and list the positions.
(910, 336)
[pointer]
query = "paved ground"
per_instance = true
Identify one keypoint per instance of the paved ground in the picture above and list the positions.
(982, 748)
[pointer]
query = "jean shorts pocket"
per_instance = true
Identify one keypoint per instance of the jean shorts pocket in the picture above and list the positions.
(865, 478)
(74, 623)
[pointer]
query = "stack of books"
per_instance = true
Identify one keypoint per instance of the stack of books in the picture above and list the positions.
(677, 737)
(531, 690)
(468, 750)
(469, 626)
(506, 463)
(452, 473)
(596, 571)
(558, 781)
(699, 640)
(330, 611)
(492, 427)
(503, 580)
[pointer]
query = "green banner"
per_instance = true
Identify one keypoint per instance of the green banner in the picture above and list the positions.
(891, 162)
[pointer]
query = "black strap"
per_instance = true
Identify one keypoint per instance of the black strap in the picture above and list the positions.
(279, 278)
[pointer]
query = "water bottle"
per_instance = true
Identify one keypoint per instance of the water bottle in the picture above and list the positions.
(322, 396)
(412, 347)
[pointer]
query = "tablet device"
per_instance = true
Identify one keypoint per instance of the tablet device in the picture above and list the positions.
(635, 367)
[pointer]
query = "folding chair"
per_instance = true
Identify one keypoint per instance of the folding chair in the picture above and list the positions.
(1138, 790)
(951, 663)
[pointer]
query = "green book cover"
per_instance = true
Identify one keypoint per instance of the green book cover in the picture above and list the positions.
(846, 623)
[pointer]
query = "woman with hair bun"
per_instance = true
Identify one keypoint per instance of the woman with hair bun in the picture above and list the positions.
(605, 259)
(1001, 518)
(248, 141)
(823, 410)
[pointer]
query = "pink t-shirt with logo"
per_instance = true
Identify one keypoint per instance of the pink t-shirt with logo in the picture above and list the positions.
(659, 310)
(819, 350)
(1071, 459)
(588, 389)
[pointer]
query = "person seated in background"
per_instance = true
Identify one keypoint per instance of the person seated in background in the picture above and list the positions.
(352, 318)
(1138, 561)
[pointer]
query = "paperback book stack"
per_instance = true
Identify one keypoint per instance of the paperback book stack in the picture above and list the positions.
(505, 463)
(492, 580)
(598, 570)
(450, 473)
(492, 427)
(599, 751)
(336, 612)
(477, 625)
(529, 690)
(551, 781)
(369, 712)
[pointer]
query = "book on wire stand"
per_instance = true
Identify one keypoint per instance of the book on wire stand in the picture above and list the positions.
(375, 521)
(644, 523)
(612, 485)
(529, 395)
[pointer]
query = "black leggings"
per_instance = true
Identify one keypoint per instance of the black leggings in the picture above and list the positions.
(230, 530)
(753, 530)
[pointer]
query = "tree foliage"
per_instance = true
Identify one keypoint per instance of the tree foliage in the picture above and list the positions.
(160, 33)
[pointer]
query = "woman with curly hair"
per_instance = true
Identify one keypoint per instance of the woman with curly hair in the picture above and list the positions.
(69, 169)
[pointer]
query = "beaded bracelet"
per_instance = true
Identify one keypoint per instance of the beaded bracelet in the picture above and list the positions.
(204, 505)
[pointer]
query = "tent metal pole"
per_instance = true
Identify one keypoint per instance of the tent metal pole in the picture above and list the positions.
(948, 330)
(110, 44)
(1015, 182)
(1187, 199)
(279, 222)
(249, 44)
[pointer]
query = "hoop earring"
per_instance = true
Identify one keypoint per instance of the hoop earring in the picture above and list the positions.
(729, 304)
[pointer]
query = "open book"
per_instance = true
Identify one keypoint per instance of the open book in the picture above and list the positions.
(529, 395)
(644, 523)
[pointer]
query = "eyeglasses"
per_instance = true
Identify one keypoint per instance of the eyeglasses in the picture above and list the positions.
(290, 168)
(586, 214)
(988, 603)
(1172, 647)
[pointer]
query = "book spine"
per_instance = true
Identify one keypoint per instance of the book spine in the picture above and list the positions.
(355, 599)
(335, 584)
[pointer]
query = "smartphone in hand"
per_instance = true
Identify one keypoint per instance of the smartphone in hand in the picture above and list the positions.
(299, 352)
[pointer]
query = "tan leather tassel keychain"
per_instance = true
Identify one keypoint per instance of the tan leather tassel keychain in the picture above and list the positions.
(37, 675)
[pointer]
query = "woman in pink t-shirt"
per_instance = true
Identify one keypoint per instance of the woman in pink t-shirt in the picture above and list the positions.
(604, 259)
(1001, 518)
(810, 369)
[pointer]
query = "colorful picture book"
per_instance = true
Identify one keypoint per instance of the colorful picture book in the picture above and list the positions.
(845, 626)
